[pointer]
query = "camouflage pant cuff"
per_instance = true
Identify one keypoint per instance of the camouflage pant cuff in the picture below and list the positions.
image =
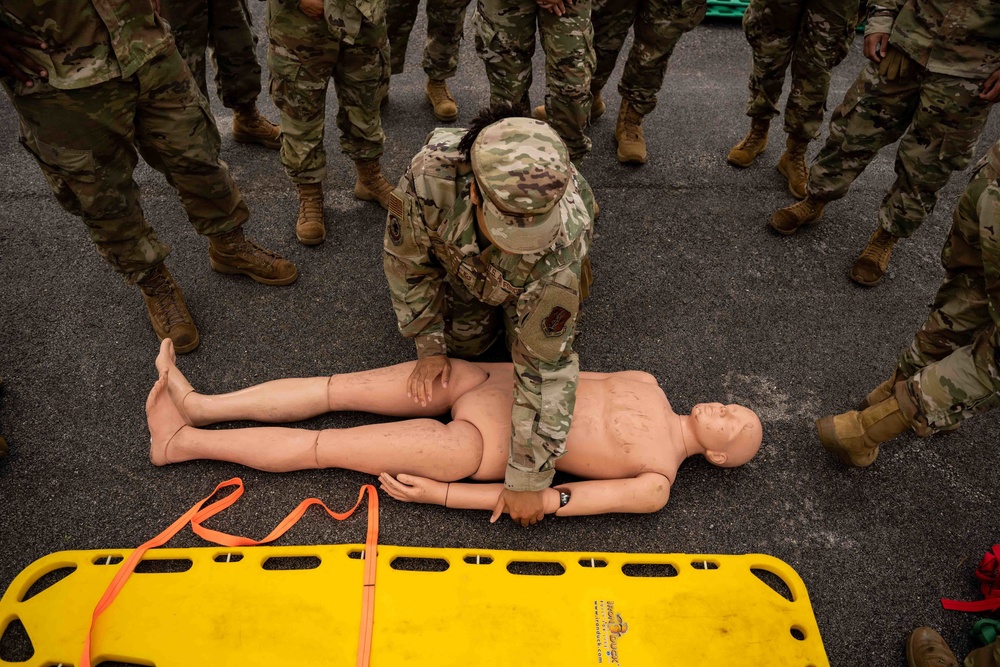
(363, 155)
(640, 104)
(906, 392)
(133, 277)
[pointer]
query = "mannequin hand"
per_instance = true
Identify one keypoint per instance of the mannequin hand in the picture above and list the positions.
(413, 489)
(557, 7)
(524, 507)
(895, 66)
(420, 386)
(312, 8)
(876, 45)
(991, 88)
(14, 61)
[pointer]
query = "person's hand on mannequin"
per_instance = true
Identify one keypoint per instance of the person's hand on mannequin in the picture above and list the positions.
(525, 507)
(14, 61)
(421, 383)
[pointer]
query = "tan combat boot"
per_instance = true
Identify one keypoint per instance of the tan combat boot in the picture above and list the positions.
(249, 127)
(371, 184)
(597, 109)
(746, 151)
(628, 133)
(167, 311)
(792, 166)
(873, 261)
(881, 392)
(787, 220)
(232, 252)
(854, 436)
(310, 228)
(926, 648)
(445, 109)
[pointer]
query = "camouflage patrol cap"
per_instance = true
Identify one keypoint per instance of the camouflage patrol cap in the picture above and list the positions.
(523, 169)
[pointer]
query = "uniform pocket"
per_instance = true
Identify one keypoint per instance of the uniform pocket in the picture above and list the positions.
(70, 163)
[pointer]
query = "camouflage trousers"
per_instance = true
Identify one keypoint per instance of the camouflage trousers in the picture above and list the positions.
(953, 363)
(224, 27)
(86, 140)
(505, 41)
(471, 326)
(658, 26)
(445, 23)
(813, 36)
(303, 56)
(939, 118)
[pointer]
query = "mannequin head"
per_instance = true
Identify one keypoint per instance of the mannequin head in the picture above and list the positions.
(729, 434)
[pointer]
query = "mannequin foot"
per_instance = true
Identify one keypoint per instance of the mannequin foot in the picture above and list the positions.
(164, 421)
(178, 387)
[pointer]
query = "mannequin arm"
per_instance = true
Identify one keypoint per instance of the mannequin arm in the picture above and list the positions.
(643, 494)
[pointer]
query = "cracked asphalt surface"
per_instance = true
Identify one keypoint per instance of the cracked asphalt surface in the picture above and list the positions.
(690, 287)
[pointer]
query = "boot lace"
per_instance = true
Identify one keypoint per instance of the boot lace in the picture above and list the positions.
(439, 93)
(878, 250)
(168, 307)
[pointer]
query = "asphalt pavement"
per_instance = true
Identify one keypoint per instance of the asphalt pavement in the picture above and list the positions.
(690, 286)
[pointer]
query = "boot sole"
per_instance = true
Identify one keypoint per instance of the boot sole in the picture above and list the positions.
(625, 159)
(864, 283)
(184, 349)
(310, 241)
(789, 180)
(222, 268)
(250, 139)
(828, 438)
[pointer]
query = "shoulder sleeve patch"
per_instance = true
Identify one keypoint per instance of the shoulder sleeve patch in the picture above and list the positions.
(400, 235)
(547, 331)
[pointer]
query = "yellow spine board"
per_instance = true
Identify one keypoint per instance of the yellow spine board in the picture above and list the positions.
(484, 608)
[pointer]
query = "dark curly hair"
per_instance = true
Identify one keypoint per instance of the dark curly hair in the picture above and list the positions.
(487, 117)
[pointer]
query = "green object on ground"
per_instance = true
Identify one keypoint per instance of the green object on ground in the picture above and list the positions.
(985, 631)
(727, 9)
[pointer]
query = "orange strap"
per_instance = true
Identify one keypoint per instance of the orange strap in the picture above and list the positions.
(199, 513)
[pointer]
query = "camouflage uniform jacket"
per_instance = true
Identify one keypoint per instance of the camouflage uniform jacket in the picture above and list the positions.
(437, 207)
(954, 37)
(345, 16)
(90, 41)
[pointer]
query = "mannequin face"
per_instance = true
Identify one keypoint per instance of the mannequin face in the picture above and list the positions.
(730, 434)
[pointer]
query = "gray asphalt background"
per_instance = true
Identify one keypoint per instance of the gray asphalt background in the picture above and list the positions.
(690, 286)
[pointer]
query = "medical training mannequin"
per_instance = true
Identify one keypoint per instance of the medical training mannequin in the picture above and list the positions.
(625, 440)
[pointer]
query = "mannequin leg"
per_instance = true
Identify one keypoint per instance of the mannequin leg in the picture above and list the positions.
(380, 391)
(425, 447)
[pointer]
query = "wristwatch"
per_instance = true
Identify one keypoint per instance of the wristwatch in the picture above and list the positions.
(564, 497)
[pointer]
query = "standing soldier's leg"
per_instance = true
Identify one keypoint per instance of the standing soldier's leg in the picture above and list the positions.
(505, 42)
(400, 15)
(361, 76)
(568, 42)
(874, 113)
(943, 393)
(176, 134)
(942, 137)
(612, 20)
(658, 27)
(301, 57)
(82, 140)
(189, 23)
(825, 35)
(961, 307)
(237, 72)
(445, 24)
(770, 27)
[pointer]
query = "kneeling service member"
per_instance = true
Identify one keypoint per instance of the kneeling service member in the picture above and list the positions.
(489, 233)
